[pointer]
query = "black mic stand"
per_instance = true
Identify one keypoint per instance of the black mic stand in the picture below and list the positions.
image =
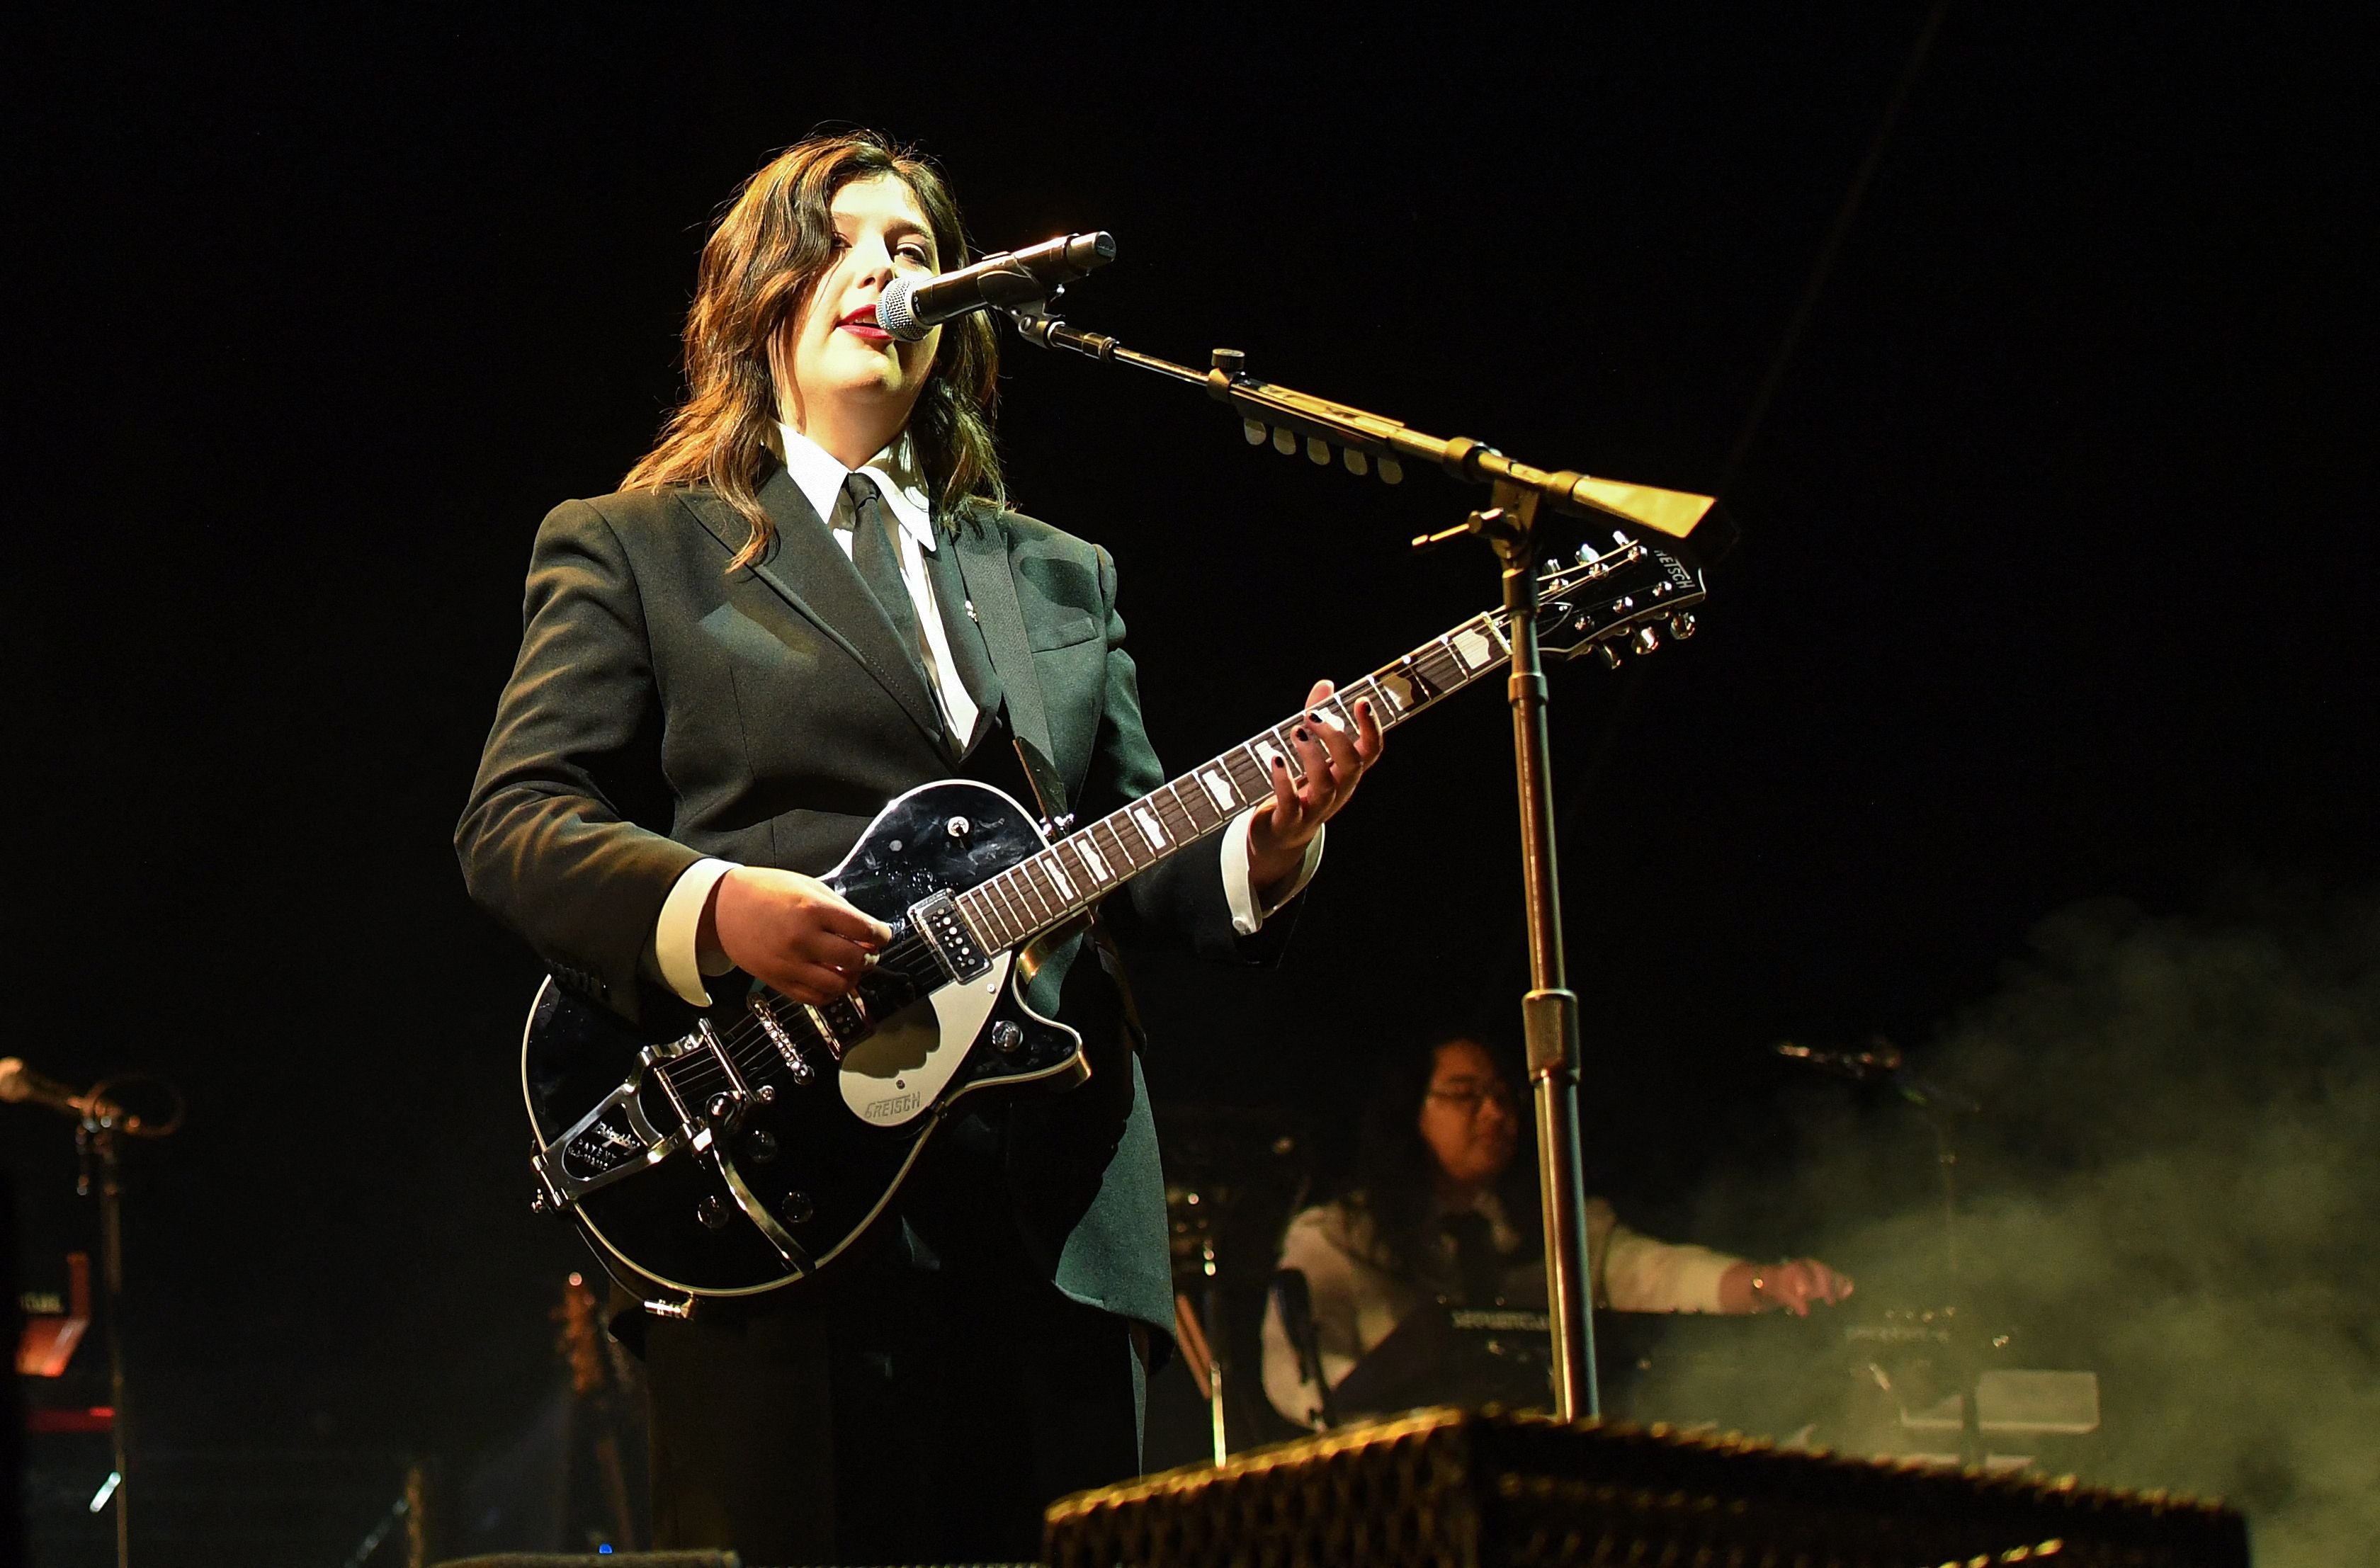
(1882, 1062)
(95, 1141)
(101, 1124)
(1938, 1106)
(1363, 441)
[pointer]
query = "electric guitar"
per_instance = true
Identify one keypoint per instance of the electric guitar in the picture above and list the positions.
(748, 1153)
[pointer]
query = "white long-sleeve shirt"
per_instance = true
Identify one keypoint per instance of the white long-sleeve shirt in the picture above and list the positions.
(909, 518)
(1357, 1303)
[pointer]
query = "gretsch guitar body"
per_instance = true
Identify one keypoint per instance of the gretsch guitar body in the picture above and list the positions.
(806, 1138)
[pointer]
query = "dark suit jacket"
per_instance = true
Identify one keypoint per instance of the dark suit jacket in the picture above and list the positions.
(663, 709)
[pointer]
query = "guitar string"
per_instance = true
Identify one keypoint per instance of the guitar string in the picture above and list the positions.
(749, 1045)
(1019, 899)
(1013, 891)
(1016, 890)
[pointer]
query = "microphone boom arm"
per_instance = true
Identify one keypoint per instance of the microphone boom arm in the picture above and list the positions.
(1291, 420)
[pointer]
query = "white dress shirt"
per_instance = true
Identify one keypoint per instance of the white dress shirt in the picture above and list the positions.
(909, 516)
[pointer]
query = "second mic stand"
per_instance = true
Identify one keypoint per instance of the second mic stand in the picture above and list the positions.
(1938, 1106)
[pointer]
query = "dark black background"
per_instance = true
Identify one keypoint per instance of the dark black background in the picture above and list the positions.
(2058, 581)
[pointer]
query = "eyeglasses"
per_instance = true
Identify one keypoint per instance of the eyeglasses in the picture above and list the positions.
(1468, 1096)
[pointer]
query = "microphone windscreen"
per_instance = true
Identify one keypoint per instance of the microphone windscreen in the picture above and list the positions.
(896, 309)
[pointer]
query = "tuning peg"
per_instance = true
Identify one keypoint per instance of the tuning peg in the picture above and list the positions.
(1285, 440)
(1681, 624)
(1391, 471)
(1608, 654)
(1255, 431)
(1358, 464)
(1317, 451)
(1646, 639)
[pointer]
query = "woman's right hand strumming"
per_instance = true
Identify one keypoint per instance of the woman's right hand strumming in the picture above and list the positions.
(790, 931)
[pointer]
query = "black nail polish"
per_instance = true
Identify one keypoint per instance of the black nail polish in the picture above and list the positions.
(1302, 736)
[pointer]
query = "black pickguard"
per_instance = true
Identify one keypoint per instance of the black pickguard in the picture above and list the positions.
(667, 1178)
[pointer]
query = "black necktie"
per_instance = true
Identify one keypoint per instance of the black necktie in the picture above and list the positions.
(880, 564)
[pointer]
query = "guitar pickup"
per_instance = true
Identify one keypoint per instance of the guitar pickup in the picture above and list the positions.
(955, 948)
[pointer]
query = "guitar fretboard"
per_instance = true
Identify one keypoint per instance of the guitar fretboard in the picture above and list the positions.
(1061, 881)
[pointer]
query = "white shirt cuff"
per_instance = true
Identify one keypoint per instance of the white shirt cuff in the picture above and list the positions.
(676, 934)
(1246, 918)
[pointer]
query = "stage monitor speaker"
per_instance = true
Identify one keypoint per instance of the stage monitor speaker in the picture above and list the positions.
(1451, 1489)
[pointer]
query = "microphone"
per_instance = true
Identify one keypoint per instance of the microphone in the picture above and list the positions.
(20, 1085)
(1882, 1063)
(1864, 1065)
(912, 307)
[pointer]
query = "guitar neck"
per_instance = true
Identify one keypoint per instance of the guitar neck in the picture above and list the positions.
(1061, 881)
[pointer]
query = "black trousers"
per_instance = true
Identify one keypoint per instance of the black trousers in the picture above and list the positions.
(923, 1403)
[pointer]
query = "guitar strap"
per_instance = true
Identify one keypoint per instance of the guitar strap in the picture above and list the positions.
(983, 563)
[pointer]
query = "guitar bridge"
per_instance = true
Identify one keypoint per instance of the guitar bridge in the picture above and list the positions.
(763, 1008)
(954, 947)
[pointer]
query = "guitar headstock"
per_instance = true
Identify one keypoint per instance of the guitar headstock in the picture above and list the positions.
(1623, 595)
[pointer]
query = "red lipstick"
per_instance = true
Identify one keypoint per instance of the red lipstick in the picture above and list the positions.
(861, 323)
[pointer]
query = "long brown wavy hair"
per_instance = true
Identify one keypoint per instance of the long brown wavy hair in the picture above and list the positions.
(759, 268)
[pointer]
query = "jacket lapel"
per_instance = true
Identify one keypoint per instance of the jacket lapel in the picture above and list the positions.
(969, 655)
(829, 593)
(982, 554)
